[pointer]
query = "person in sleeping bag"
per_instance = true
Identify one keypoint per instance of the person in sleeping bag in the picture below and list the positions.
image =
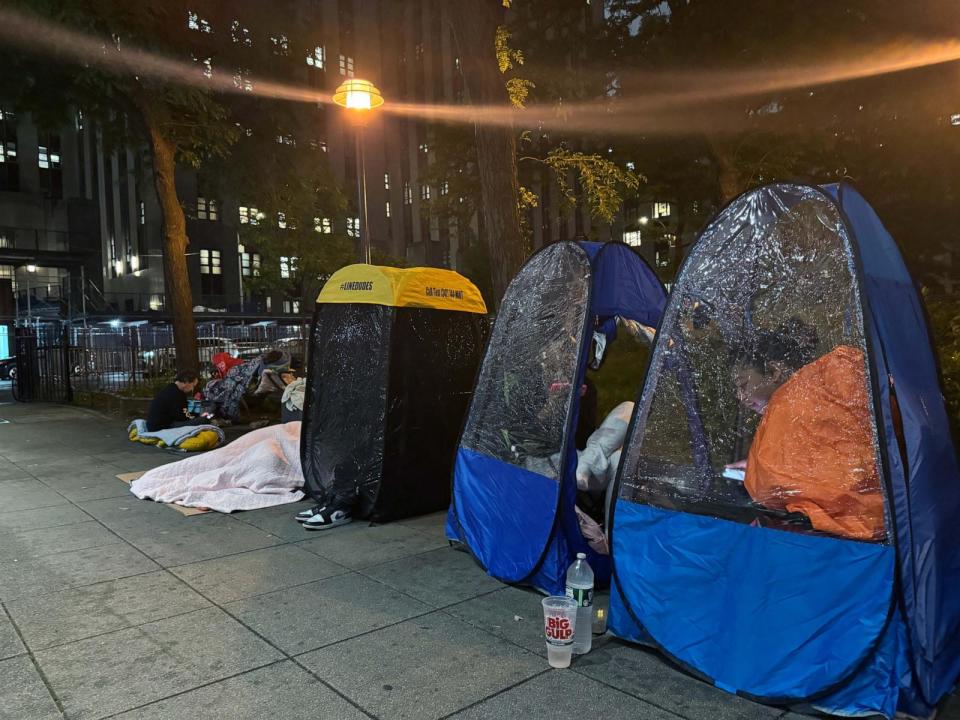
(813, 452)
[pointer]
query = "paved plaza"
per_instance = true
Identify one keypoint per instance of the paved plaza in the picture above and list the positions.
(115, 608)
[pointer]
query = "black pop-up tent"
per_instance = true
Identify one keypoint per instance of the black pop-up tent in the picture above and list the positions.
(392, 359)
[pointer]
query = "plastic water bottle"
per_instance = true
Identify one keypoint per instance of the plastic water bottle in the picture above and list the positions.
(580, 588)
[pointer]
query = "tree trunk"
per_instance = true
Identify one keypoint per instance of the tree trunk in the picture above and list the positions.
(729, 182)
(176, 276)
(475, 25)
(678, 251)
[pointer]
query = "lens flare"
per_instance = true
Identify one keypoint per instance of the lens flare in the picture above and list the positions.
(673, 102)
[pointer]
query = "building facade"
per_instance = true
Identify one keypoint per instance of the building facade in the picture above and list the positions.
(81, 227)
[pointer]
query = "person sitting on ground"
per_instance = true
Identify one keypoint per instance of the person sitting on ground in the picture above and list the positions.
(168, 409)
(291, 402)
(813, 452)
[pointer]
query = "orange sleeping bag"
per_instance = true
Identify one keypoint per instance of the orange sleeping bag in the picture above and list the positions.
(813, 452)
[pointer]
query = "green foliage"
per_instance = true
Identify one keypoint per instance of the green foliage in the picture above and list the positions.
(944, 317)
(518, 90)
(379, 257)
(601, 179)
(507, 57)
(621, 375)
(123, 102)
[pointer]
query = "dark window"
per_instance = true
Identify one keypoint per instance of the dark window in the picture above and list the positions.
(9, 169)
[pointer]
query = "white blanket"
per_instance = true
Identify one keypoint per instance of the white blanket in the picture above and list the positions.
(257, 470)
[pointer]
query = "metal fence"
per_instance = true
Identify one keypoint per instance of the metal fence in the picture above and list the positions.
(54, 362)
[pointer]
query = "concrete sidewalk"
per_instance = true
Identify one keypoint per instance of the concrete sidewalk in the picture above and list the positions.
(113, 607)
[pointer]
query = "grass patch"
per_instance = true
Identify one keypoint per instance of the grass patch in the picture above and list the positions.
(621, 375)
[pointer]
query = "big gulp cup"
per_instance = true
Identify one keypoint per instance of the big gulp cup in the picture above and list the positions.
(559, 623)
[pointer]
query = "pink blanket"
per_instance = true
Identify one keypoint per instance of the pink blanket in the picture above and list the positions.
(258, 470)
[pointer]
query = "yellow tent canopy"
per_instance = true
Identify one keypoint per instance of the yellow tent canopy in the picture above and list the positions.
(419, 287)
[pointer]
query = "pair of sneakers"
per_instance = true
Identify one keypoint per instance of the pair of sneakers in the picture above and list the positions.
(323, 517)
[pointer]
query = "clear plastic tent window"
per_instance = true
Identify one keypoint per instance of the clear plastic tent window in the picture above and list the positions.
(524, 393)
(762, 362)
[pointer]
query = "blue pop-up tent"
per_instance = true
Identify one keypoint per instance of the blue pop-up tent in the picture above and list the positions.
(766, 603)
(514, 484)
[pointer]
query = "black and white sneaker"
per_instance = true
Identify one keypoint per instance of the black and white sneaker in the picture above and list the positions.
(327, 517)
(305, 515)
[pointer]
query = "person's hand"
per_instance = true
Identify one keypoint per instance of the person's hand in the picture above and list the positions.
(739, 465)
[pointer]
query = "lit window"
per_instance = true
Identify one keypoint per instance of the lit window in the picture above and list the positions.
(195, 22)
(424, 148)
(322, 225)
(407, 193)
(210, 262)
(250, 264)
(445, 188)
(206, 65)
(249, 215)
(208, 209)
(661, 210)
(8, 151)
(47, 159)
(291, 307)
(386, 181)
(662, 253)
(456, 64)
(143, 213)
(632, 238)
(424, 192)
(318, 58)
(346, 65)
(269, 304)
(282, 220)
(281, 45)
(286, 139)
(285, 267)
(240, 34)
(387, 208)
(955, 119)
(318, 145)
(241, 80)
(353, 227)
(631, 166)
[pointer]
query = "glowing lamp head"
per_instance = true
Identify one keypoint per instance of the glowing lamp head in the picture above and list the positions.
(356, 94)
(31, 268)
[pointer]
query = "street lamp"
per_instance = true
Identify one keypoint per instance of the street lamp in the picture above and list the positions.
(360, 97)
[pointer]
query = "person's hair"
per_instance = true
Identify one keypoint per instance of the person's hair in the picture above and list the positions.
(186, 376)
(793, 344)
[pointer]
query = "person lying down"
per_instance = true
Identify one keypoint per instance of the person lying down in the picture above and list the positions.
(257, 470)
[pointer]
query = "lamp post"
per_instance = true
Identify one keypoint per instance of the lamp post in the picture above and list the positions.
(359, 97)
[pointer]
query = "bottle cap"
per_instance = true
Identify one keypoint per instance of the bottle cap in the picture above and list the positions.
(581, 556)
